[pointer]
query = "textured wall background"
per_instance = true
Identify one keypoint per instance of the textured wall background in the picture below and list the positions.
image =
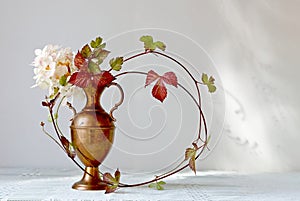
(254, 45)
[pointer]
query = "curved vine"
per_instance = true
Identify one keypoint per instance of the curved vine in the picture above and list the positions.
(89, 73)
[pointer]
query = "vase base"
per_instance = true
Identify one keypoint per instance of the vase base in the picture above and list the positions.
(90, 180)
(83, 186)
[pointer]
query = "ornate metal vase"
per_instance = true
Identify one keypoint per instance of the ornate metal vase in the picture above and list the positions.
(92, 134)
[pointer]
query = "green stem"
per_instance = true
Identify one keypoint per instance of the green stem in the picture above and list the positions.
(57, 110)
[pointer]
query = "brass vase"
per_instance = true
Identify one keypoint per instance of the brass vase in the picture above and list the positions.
(92, 134)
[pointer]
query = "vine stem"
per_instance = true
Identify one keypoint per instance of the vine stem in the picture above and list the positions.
(197, 88)
(197, 102)
(191, 76)
(174, 170)
(164, 176)
(57, 131)
(137, 55)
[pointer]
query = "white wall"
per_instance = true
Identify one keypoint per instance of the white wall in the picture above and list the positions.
(254, 44)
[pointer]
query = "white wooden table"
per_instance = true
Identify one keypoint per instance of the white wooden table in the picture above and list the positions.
(55, 185)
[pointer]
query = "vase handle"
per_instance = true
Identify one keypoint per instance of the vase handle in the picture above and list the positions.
(118, 103)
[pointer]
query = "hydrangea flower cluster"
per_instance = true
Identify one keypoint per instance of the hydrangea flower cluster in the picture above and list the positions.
(53, 67)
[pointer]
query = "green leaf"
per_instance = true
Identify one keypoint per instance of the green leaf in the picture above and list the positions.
(94, 67)
(209, 82)
(96, 43)
(204, 78)
(116, 63)
(161, 183)
(160, 45)
(86, 51)
(102, 46)
(157, 185)
(211, 88)
(63, 80)
(148, 42)
(55, 91)
(152, 185)
(150, 45)
(208, 139)
(55, 116)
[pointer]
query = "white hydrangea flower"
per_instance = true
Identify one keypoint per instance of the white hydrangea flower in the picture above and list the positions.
(52, 64)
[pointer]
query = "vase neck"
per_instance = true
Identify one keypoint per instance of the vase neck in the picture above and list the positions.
(93, 98)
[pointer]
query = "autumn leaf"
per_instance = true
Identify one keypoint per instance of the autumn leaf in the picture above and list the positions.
(117, 175)
(190, 154)
(170, 78)
(79, 60)
(159, 91)
(112, 182)
(80, 79)
(102, 79)
(99, 54)
(151, 77)
(209, 82)
(83, 79)
(150, 45)
(67, 146)
(107, 177)
(192, 164)
(93, 67)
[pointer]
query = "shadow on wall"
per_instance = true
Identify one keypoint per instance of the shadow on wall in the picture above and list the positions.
(259, 71)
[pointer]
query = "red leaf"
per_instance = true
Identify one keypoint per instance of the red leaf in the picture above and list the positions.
(151, 77)
(79, 60)
(159, 90)
(107, 177)
(170, 78)
(117, 175)
(102, 79)
(80, 79)
(112, 183)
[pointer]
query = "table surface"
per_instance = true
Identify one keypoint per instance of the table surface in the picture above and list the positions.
(55, 185)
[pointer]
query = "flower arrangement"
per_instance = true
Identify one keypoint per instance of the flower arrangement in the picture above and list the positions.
(62, 73)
